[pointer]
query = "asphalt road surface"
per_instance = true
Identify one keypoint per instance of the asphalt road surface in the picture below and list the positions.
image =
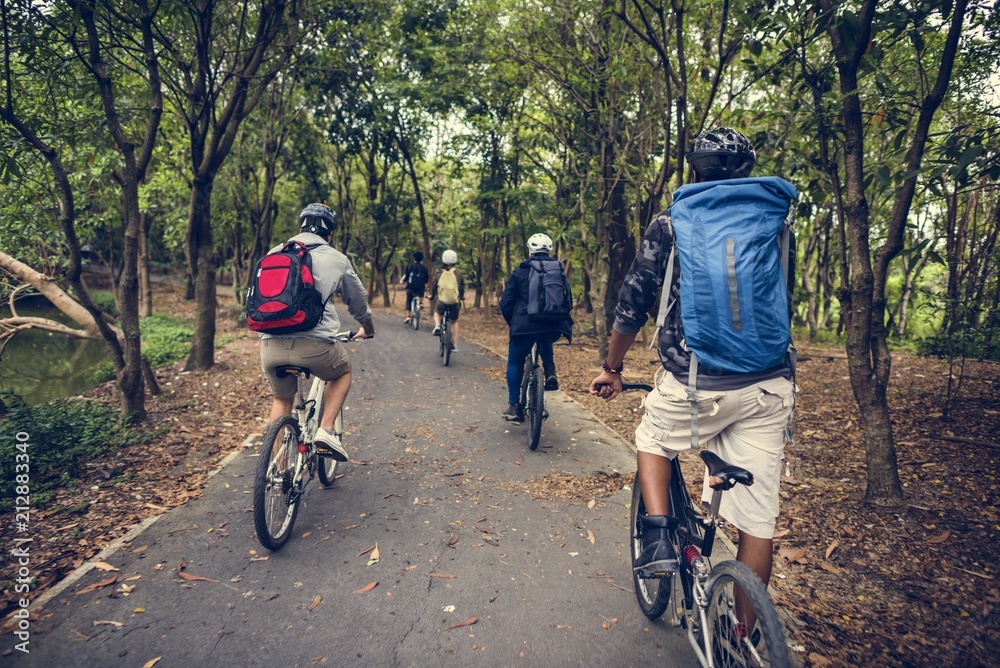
(445, 488)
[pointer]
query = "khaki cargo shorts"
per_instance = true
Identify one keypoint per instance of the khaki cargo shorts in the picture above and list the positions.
(325, 359)
(746, 427)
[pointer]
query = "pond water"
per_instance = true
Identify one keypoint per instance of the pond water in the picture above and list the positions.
(43, 366)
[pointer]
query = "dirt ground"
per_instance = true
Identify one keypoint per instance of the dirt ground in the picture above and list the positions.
(911, 586)
(914, 586)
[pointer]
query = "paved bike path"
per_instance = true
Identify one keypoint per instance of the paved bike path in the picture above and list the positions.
(444, 487)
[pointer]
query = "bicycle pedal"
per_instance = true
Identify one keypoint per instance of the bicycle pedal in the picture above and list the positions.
(545, 415)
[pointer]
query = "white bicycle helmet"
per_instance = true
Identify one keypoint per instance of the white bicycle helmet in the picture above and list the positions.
(449, 257)
(539, 243)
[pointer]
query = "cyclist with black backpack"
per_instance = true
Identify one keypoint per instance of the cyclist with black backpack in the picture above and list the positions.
(722, 258)
(415, 279)
(290, 302)
(536, 304)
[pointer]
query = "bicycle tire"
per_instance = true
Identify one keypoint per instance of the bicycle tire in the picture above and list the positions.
(446, 344)
(537, 390)
(730, 648)
(652, 594)
(327, 466)
(276, 503)
(415, 314)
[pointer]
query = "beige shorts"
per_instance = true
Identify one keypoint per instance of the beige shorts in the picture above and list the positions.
(326, 360)
(746, 427)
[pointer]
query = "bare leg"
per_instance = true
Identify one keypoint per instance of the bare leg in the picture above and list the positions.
(334, 397)
(454, 332)
(281, 407)
(756, 553)
(654, 477)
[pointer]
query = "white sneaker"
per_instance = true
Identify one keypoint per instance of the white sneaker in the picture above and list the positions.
(328, 443)
(437, 330)
(406, 320)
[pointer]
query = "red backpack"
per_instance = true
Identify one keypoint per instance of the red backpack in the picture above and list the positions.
(282, 297)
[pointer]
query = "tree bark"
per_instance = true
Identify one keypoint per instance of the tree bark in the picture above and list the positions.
(145, 286)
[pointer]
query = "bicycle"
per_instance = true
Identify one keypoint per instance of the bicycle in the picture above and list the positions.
(445, 335)
(533, 397)
(415, 313)
(702, 597)
(289, 460)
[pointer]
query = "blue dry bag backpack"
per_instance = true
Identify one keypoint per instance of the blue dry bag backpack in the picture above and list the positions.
(732, 241)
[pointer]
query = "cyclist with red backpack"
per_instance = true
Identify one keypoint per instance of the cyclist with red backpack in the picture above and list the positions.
(724, 336)
(290, 302)
(536, 304)
(448, 292)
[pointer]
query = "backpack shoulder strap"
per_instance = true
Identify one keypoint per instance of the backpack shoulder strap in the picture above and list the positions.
(668, 280)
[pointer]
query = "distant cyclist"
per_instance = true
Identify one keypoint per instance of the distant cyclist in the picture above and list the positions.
(416, 282)
(316, 348)
(448, 292)
(533, 319)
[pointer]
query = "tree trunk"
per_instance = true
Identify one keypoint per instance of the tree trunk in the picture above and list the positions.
(145, 286)
(202, 355)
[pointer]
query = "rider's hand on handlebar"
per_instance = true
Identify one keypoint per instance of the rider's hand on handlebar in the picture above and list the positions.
(606, 386)
(367, 332)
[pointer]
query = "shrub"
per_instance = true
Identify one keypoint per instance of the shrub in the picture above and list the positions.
(63, 434)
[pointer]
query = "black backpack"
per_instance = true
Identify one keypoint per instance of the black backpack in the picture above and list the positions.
(282, 297)
(549, 297)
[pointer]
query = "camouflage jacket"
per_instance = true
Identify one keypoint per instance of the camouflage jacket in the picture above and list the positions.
(638, 299)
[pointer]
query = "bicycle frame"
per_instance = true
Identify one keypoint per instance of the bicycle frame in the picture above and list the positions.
(696, 540)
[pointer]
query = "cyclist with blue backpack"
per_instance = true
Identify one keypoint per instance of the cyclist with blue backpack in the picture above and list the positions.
(290, 302)
(536, 304)
(722, 254)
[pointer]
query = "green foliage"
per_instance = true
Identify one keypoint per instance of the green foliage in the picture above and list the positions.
(106, 300)
(63, 434)
(165, 339)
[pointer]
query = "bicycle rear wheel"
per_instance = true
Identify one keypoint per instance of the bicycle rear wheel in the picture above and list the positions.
(732, 642)
(653, 594)
(275, 497)
(446, 344)
(415, 314)
(536, 388)
(327, 466)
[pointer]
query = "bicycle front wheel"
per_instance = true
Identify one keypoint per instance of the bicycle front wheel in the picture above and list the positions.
(536, 387)
(328, 465)
(736, 596)
(653, 594)
(275, 496)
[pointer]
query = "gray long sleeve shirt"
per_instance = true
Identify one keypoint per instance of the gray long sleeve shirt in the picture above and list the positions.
(638, 295)
(332, 272)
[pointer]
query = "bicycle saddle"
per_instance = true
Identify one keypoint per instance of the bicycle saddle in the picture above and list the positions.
(729, 474)
(285, 369)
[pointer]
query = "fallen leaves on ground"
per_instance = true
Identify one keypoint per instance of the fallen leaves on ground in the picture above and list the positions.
(468, 622)
(191, 577)
(368, 587)
(316, 601)
(98, 585)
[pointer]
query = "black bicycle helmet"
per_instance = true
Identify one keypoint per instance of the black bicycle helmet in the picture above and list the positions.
(318, 219)
(722, 153)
